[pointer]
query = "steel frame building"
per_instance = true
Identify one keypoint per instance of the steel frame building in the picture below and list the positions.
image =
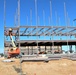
(38, 31)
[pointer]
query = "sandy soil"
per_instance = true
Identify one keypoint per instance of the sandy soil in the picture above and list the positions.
(6, 68)
(56, 67)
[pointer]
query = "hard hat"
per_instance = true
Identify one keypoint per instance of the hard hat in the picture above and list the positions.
(10, 29)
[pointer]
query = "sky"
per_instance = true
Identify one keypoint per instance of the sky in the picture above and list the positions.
(27, 5)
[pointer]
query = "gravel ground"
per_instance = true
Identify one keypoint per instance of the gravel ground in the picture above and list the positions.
(55, 67)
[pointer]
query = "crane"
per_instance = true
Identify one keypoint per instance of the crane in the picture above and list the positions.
(15, 51)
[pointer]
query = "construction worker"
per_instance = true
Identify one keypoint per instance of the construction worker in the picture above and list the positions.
(10, 31)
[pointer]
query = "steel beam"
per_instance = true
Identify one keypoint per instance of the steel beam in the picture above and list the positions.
(24, 31)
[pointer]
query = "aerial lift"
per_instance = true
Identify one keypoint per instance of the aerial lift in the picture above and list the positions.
(14, 51)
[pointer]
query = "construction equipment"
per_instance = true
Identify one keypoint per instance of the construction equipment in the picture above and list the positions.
(14, 51)
(58, 51)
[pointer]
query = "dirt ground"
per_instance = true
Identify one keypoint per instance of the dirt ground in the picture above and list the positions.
(56, 67)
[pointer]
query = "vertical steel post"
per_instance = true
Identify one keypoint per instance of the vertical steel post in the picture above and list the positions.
(19, 35)
(44, 22)
(4, 23)
(66, 23)
(75, 48)
(65, 13)
(49, 19)
(32, 49)
(31, 25)
(51, 12)
(4, 13)
(52, 26)
(52, 42)
(36, 23)
(28, 50)
(38, 20)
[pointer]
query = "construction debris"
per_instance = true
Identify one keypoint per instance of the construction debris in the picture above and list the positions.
(7, 60)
